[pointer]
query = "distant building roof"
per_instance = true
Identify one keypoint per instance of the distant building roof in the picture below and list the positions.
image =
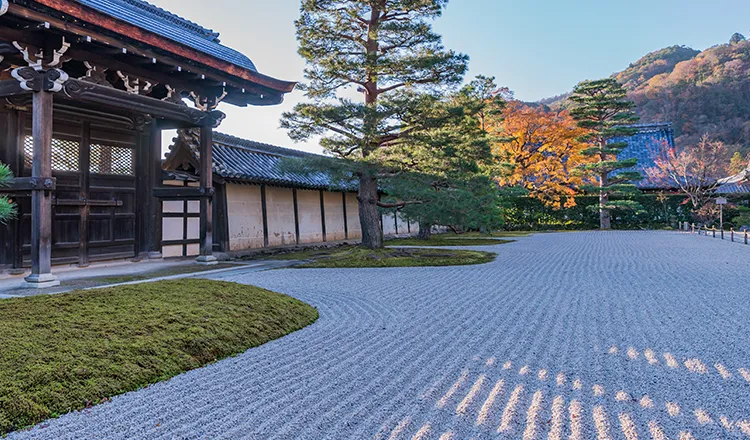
(737, 184)
(246, 161)
(642, 146)
(159, 21)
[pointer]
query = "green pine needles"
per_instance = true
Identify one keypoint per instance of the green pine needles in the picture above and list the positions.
(602, 107)
(7, 208)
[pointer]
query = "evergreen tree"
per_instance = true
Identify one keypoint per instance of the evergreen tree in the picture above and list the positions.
(387, 50)
(7, 208)
(601, 107)
(738, 163)
(736, 38)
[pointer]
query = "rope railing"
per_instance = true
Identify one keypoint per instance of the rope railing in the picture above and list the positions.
(734, 236)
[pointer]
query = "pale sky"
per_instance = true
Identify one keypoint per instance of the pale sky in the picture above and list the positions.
(537, 48)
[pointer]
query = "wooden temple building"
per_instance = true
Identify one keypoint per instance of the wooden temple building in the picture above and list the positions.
(86, 89)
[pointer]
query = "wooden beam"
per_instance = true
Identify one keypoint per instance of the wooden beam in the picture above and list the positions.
(182, 193)
(222, 218)
(41, 200)
(206, 176)
(11, 87)
(26, 184)
(94, 93)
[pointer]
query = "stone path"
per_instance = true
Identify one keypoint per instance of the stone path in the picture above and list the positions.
(617, 335)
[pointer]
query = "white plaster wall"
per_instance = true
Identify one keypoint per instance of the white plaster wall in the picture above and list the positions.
(403, 226)
(334, 204)
(280, 211)
(352, 216)
(310, 224)
(389, 224)
(245, 213)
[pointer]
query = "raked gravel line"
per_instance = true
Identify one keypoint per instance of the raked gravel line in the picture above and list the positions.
(600, 335)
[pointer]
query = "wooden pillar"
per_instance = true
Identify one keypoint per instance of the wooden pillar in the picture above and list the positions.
(41, 199)
(148, 208)
(84, 165)
(264, 214)
(296, 215)
(346, 221)
(206, 173)
(323, 214)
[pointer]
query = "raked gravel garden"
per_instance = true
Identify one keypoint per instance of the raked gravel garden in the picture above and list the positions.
(594, 335)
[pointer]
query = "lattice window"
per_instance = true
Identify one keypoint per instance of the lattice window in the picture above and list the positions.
(108, 159)
(64, 154)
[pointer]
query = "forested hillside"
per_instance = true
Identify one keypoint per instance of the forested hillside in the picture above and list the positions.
(699, 92)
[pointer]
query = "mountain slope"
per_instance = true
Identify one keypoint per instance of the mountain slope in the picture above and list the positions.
(699, 92)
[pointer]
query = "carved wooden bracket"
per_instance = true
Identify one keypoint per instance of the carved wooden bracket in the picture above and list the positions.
(95, 74)
(136, 86)
(206, 104)
(34, 80)
(173, 95)
(35, 57)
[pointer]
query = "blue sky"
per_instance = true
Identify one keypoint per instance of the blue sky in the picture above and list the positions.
(537, 48)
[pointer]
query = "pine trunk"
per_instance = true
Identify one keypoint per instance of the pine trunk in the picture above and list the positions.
(605, 221)
(425, 232)
(369, 217)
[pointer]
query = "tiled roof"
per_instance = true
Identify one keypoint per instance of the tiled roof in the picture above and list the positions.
(254, 162)
(739, 183)
(154, 19)
(642, 145)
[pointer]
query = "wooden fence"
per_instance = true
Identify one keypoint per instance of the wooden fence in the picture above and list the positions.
(732, 235)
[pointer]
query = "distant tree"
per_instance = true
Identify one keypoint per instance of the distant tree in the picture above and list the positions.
(389, 52)
(7, 208)
(695, 170)
(738, 163)
(601, 108)
(736, 38)
(543, 152)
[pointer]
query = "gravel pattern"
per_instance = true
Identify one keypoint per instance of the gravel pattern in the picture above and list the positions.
(599, 335)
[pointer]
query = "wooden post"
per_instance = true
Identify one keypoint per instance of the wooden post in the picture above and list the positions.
(732, 235)
(148, 177)
(264, 213)
(746, 234)
(41, 200)
(693, 228)
(722, 233)
(714, 231)
(323, 214)
(206, 174)
(296, 215)
(84, 166)
(346, 221)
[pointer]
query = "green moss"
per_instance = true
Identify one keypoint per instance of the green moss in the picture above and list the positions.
(446, 241)
(63, 352)
(353, 257)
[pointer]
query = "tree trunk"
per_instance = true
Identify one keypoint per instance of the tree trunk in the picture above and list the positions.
(605, 221)
(425, 232)
(369, 217)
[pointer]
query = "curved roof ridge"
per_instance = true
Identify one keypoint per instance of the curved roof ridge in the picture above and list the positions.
(190, 25)
(260, 147)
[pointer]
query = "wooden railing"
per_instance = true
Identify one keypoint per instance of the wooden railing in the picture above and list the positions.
(734, 236)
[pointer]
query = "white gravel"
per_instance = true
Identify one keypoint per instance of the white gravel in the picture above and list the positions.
(616, 335)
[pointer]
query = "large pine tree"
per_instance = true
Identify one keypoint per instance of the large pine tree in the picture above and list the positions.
(387, 51)
(601, 107)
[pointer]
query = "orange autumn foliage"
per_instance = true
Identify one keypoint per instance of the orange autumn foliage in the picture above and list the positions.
(542, 151)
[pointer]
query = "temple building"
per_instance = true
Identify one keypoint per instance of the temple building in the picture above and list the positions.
(642, 145)
(87, 87)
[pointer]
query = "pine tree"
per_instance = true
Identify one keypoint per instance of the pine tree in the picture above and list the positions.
(738, 163)
(387, 50)
(7, 208)
(601, 107)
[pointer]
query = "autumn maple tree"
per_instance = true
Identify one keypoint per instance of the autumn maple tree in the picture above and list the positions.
(694, 170)
(542, 151)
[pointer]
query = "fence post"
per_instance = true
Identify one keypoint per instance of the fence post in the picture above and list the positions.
(746, 233)
(732, 235)
(722, 233)
(693, 228)
(714, 231)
